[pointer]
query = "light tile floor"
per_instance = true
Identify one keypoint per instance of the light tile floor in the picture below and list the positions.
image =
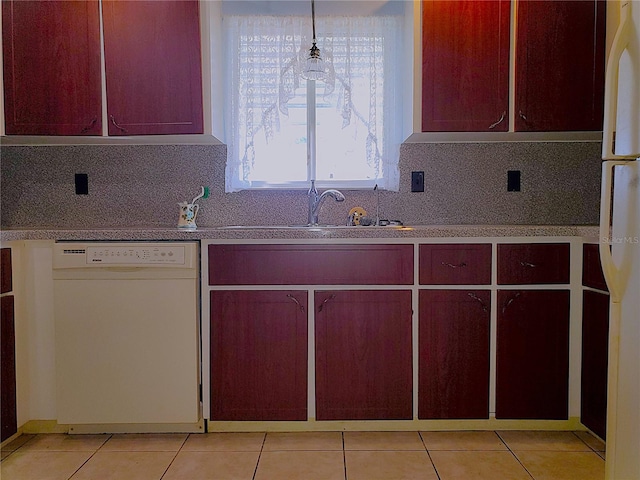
(501, 455)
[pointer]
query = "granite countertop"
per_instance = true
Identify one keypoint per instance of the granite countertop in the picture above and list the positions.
(283, 232)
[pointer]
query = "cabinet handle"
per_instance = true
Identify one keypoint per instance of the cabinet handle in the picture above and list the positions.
(122, 129)
(528, 264)
(296, 301)
(451, 265)
(475, 297)
(90, 126)
(495, 124)
(510, 301)
(325, 301)
(522, 116)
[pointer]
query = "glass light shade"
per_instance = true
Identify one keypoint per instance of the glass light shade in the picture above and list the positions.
(314, 68)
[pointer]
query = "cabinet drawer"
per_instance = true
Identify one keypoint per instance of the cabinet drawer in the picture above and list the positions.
(533, 263)
(592, 275)
(310, 264)
(461, 264)
(6, 284)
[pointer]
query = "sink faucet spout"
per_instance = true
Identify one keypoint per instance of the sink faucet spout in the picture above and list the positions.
(316, 200)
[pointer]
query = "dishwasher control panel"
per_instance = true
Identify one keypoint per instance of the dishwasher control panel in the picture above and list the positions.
(135, 255)
(155, 255)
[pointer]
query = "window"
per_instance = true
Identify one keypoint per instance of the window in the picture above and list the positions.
(358, 107)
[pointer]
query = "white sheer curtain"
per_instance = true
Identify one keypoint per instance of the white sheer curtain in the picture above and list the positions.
(362, 96)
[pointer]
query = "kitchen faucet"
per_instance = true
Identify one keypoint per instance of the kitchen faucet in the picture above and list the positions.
(315, 201)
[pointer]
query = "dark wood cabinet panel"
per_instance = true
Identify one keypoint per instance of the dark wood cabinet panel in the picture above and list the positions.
(153, 67)
(595, 350)
(8, 368)
(455, 264)
(310, 264)
(363, 355)
(6, 271)
(51, 64)
(533, 263)
(258, 355)
(560, 61)
(592, 275)
(465, 65)
(532, 367)
(454, 354)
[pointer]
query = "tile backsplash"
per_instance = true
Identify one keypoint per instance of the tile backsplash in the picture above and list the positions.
(140, 186)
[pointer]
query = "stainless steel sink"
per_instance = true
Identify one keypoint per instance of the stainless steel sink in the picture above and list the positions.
(277, 227)
(307, 227)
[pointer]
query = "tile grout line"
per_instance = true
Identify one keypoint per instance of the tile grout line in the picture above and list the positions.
(255, 470)
(90, 456)
(435, 469)
(344, 456)
(590, 447)
(11, 452)
(514, 455)
(175, 456)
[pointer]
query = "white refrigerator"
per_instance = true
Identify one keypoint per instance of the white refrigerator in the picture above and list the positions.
(620, 243)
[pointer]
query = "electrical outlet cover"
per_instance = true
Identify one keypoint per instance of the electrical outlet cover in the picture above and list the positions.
(417, 181)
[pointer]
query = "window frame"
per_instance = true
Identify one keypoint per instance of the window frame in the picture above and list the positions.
(386, 180)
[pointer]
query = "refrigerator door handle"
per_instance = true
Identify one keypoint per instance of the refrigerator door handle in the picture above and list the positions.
(620, 43)
(609, 268)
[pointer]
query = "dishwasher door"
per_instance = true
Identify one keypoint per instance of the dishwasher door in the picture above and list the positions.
(127, 336)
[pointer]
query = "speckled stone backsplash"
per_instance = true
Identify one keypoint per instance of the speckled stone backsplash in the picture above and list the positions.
(138, 186)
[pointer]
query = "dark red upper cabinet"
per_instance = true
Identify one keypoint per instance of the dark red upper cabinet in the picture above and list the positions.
(560, 61)
(153, 67)
(465, 65)
(51, 61)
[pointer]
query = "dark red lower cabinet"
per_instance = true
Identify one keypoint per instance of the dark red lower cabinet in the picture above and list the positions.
(258, 355)
(532, 371)
(363, 355)
(8, 368)
(453, 367)
(595, 350)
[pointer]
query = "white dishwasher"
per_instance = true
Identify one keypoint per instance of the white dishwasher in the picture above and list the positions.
(127, 336)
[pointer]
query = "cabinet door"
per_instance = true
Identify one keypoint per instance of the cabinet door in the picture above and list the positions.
(532, 372)
(454, 354)
(592, 274)
(363, 355)
(560, 60)
(6, 271)
(152, 57)
(51, 64)
(595, 350)
(465, 65)
(8, 371)
(258, 355)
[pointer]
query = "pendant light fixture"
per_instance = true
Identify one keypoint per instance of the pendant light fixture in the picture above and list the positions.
(313, 68)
